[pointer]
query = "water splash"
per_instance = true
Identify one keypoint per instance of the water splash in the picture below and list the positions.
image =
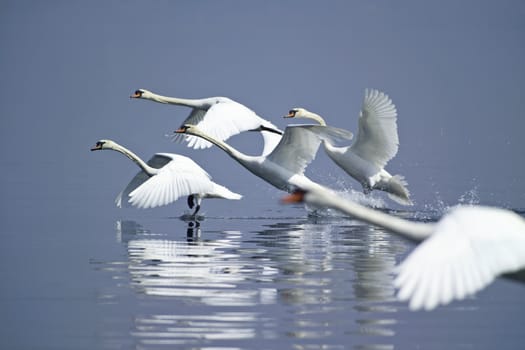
(433, 211)
(368, 200)
(470, 197)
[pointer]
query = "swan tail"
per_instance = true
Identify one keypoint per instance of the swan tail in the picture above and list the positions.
(220, 191)
(397, 190)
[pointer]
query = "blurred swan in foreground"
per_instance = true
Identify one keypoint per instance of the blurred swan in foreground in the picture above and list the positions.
(376, 143)
(219, 117)
(164, 179)
(460, 254)
(284, 166)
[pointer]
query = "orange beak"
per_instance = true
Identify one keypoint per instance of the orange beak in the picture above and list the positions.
(135, 95)
(180, 130)
(294, 197)
(290, 115)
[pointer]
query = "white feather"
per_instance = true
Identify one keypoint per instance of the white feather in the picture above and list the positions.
(180, 177)
(375, 144)
(219, 117)
(164, 179)
(284, 166)
(460, 255)
(468, 249)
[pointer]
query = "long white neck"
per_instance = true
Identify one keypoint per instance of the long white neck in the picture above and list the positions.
(147, 169)
(232, 152)
(173, 100)
(412, 230)
(315, 117)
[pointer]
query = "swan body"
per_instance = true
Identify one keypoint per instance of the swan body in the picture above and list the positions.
(219, 117)
(284, 166)
(165, 178)
(376, 143)
(459, 255)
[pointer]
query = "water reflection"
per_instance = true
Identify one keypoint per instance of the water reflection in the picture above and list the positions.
(207, 270)
(323, 261)
(314, 282)
(188, 329)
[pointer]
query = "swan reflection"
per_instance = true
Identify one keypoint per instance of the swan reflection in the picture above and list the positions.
(207, 270)
(309, 281)
(320, 261)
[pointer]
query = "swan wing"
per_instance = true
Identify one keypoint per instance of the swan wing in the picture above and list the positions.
(377, 140)
(221, 121)
(271, 140)
(180, 177)
(157, 162)
(328, 133)
(469, 248)
(296, 149)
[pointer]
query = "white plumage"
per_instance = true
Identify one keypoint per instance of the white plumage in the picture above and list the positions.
(164, 179)
(375, 144)
(284, 166)
(460, 255)
(468, 248)
(219, 117)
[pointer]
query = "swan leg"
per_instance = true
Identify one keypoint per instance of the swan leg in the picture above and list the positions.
(191, 201)
(197, 207)
(196, 200)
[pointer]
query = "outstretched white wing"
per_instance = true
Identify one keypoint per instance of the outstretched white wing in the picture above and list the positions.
(157, 162)
(377, 140)
(469, 248)
(296, 150)
(180, 177)
(221, 121)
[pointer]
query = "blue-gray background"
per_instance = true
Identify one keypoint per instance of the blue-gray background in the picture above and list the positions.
(453, 68)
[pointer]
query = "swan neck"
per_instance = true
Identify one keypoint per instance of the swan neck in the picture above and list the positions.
(315, 117)
(413, 230)
(232, 152)
(136, 159)
(173, 100)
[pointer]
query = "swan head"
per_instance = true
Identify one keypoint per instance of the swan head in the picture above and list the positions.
(303, 113)
(297, 113)
(187, 129)
(142, 93)
(104, 144)
(316, 195)
(297, 196)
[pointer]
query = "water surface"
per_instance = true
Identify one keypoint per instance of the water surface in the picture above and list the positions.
(84, 275)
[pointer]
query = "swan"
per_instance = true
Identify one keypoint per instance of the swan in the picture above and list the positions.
(459, 255)
(376, 143)
(284, 166)
(165, 178)
(219, 117)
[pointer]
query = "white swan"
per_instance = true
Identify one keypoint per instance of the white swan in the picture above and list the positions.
(460, 254)
(219, 117)
(284, 166)
(164, 179)
(376, 143)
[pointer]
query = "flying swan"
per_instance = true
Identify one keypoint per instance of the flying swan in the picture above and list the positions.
(219, 117)
(376, 143)
(284, 166)
(164, 179)
(459, 255)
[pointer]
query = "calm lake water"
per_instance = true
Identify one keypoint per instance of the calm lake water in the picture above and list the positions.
(84, 275)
